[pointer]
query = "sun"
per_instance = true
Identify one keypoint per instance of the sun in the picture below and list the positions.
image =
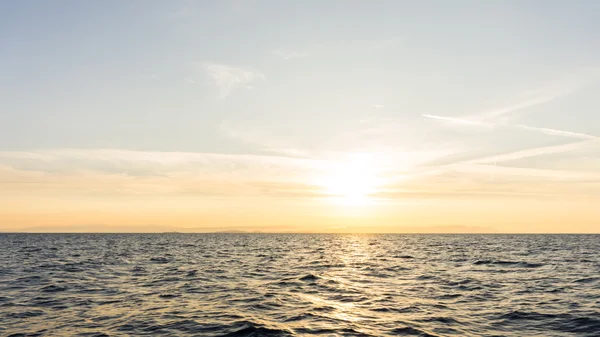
(352, 182)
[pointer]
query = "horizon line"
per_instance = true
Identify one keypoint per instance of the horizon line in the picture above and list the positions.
(324, 233)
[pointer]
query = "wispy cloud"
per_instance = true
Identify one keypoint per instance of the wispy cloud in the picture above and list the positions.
(528, 173)
(287, 54)
(547, 97)
(261, 139)
(71, 172)
(488, 118)
(555, 132)
(545, 94)
(487, 176)
(457, 120)
(551, 91)
(378, 106)
(538, 151)
(547, 131)
(227, 78)
(484, 177)
(144, 172)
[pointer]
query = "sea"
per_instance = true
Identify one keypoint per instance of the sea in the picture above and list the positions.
(299, 285)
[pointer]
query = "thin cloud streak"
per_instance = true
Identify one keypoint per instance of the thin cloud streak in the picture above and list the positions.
(541, 174)
(227, 78)
(538, 151)
(488, 115)
(127, 172)
(457, 120)
(555, 132)
(261, 139)
(93, 156)
(488, 164)
(547, 131)
(558, 89)
(545, 95)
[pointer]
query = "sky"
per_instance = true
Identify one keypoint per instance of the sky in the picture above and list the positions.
(300, 116)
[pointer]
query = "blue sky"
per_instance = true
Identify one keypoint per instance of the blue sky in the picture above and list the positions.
(484, 97)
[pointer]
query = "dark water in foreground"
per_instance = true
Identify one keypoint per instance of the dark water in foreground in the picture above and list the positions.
(296, 285)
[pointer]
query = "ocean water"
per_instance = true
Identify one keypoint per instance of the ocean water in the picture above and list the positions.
(299, 285)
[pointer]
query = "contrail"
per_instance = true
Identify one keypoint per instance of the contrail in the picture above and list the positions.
(586, 140)
(523, 105)
(547, 131)
(457, 120)
(538, 151)
(556, 132)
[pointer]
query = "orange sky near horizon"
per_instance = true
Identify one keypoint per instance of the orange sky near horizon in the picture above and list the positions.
(156, 214)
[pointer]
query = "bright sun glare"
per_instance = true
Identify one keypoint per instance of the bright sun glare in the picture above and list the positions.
(352, 182)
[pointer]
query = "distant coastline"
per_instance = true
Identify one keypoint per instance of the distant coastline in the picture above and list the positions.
(305, 233)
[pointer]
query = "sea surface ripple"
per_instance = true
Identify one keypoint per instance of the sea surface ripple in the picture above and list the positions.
(299, 285)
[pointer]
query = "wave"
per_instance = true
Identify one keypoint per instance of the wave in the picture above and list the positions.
(409, 331)
(309, 277)
(52, 288)
(521, 264)
(295, 285)
(559, 322)
(250, 329)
